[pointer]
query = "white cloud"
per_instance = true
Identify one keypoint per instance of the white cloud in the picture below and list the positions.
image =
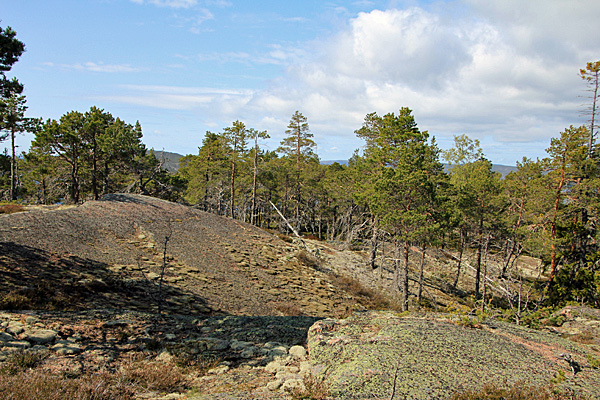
(205, 15)
(169, 3)
(180, 98)
(503, 71)
(97, 67)
(487, 74)
(219, 3)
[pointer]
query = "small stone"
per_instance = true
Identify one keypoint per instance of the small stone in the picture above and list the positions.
(298, 352)
(272, 386)
(42, 336)
(239, 345)
(270, 345)
(66, 349)
(17, 344)
(252, 352)
(5, 337)
(15, 328)
(274, 367)
(279, 351)
(292, 384)
(215, 344)
(219, 370)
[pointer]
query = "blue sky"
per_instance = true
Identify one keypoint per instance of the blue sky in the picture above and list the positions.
(502, 71)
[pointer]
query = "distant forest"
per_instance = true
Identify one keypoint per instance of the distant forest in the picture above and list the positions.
(394, 189)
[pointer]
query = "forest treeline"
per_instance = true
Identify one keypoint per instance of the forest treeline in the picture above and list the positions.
(393, 190)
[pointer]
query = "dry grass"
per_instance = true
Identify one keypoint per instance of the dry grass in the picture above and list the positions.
(10, 208)
(21, 380)
(308, 259)
(37, 385)
(21, 361)
(314, 389)
(519, 391)
(585, 337)
(370, 298)
(41, 295)
(290, 309)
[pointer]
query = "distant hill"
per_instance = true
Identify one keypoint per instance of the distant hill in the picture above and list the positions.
(170, 160)
(503, 169)
(171, 163)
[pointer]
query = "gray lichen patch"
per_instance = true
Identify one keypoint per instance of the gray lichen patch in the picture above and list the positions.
(377, 354)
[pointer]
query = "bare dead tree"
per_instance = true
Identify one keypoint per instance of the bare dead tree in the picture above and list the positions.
(163, 268)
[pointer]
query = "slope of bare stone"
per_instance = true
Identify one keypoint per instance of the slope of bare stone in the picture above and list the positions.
(230, 290)
(381, 355)
(109, 253)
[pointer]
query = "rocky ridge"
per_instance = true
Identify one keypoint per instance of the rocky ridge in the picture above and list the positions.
(231, 293)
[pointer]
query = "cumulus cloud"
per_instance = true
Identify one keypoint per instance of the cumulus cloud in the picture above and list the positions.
(503, 71)
(393, 45)
(488, 74)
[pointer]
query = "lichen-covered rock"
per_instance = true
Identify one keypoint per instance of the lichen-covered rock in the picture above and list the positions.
(298, 352)
(374, 354)
(42, 336)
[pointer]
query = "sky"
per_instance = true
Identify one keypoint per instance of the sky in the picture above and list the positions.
(505, 72)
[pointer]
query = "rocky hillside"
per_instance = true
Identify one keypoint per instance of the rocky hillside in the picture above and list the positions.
(111, 253)
(99, 287)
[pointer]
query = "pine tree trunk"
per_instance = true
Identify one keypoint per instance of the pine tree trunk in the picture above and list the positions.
(487, 242)
(478, 262)
(13, 168)
(421, 273)
(374, 244)
(232, 189)
(404, 278)
(463, 238)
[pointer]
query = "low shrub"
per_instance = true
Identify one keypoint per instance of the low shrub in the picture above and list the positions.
(10, 208)
(371, 299)
(518, 391)
(585, 337)
(313, 389)
(38, 385)
(308, 259)
(593, 361)
(285, 238)
(20, 382)
(289, 309)
(20, 361)
(152, 375)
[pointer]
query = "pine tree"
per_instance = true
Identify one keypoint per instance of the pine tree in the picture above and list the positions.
(13, 121)
(10, 50)
(405, 186)
(298, 146)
